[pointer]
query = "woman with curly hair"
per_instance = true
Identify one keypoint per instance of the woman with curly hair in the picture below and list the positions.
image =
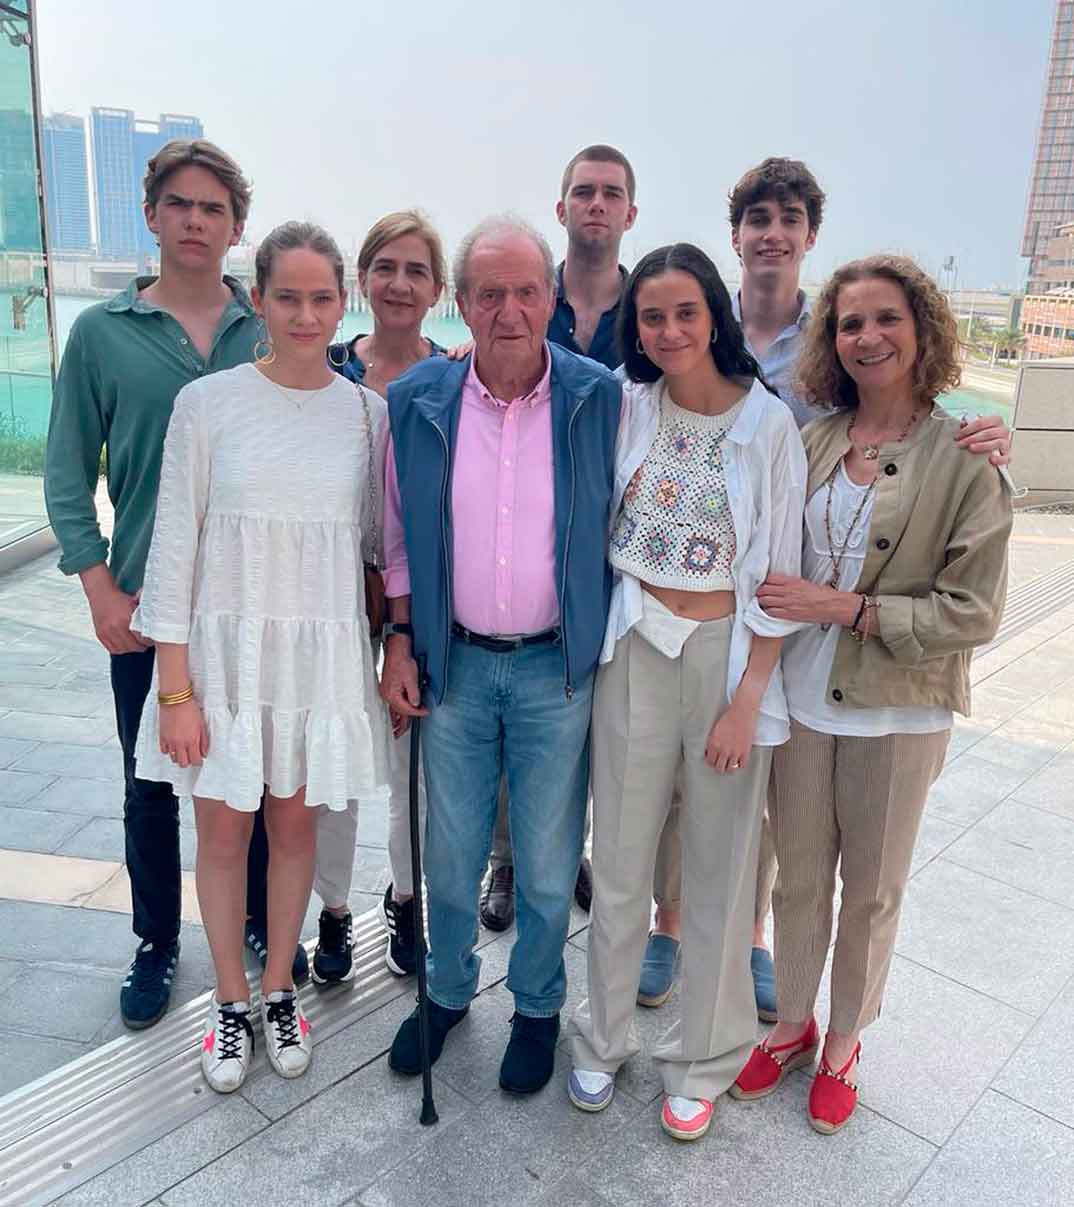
(905, 564)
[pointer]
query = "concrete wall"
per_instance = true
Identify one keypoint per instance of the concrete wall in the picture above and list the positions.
(1044, 421)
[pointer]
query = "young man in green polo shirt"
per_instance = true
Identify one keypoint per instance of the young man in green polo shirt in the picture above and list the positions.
(124, 363)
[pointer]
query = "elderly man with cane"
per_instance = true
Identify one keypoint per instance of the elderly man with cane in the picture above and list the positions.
(498, 484)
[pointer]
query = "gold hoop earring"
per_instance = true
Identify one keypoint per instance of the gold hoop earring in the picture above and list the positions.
(637, 344)
(268, 356)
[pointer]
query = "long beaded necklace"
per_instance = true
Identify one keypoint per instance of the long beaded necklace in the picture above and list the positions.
(870, 452)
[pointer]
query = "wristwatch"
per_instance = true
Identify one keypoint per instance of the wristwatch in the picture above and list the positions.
(403, 628)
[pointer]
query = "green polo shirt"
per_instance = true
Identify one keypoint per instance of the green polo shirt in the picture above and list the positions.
(124, 363)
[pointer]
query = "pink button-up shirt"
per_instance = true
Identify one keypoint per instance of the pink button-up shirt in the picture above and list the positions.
(502, 510)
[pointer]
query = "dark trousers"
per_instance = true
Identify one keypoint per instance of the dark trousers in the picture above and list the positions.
(150, 811)
(257, 870)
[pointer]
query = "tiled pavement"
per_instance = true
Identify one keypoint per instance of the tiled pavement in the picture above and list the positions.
(965, 1080)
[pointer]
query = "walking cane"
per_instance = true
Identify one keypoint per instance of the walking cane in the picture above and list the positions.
(428, 1109)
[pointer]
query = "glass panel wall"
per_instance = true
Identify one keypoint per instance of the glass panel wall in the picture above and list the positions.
(25, 325)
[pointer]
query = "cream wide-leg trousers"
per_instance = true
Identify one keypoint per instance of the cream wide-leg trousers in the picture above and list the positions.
(651, 716)
(856, 802)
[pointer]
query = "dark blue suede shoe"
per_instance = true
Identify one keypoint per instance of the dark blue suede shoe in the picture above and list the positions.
(531, 1054)
(764, 984)
(405, 1053)
(147, 988)
(658, 970)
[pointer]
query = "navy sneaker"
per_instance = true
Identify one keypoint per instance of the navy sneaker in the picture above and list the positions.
(401, 954)
(256, 939)
(332, 959)
(147, 989)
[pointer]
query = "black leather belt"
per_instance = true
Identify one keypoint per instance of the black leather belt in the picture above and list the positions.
(503, 645)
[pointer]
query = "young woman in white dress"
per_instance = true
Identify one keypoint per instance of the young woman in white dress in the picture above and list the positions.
(254, 596)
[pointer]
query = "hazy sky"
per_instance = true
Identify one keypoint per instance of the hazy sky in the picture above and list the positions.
(918, 118)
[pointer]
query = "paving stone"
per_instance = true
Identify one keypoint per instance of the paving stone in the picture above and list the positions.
(871, 1162)
(371, 871)
(87, 797)
(1024, 744)
(1039, 1075)
(12, 749)
(934, 836)
(82, 731)
(334, 1059)
(987, 935)
(907, 1051)
(170, 1159)
(65, 1003)
(1028, 848)
(1003, 1154)
(12, 660)
(24, 1058)
(327, 1149)
(63, 758)
(33, 830)
(18, 787)
(98, 838)
(571, 1191)
(34, 932)
(56, 702)
(1051, 788)
(506, 1150)
(970, 787)
(36, 676)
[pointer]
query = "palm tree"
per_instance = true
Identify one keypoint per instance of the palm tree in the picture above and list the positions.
(1006, 342)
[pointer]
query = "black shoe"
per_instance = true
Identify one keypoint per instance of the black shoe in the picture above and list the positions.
(405, 1054)
(401, 954)
(498, 899)
(531, 1054)
(147, 988)
(332, 960)
(583, 886)
(256, 939)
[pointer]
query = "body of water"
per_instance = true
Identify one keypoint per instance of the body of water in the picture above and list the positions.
(28, 397)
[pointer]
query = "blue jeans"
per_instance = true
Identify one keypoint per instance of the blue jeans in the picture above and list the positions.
(505, 713)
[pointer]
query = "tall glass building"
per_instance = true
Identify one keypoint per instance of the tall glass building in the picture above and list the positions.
(26, 344)
(1051, 184)
(121, 146)
(67, 183)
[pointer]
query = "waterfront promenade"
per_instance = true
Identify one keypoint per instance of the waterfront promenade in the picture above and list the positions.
(965, 1080)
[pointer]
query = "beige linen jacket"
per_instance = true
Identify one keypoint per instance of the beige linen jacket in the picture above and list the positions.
(937, 562)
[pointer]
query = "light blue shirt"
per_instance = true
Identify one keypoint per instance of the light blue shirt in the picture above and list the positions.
(780, 362)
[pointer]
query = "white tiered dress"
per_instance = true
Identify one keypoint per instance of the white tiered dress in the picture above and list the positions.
(264, 513)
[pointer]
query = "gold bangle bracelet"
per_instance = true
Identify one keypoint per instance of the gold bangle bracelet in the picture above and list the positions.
(169, 698)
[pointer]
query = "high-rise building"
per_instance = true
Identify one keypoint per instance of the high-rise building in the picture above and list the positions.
(66, 183)
(121, 146)
(1051, 184)
(19, 229)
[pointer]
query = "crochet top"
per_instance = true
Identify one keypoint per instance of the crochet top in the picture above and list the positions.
(675, 527)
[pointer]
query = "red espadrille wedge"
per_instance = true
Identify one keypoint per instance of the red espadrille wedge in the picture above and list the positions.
(832, 1098)
(766, 1067)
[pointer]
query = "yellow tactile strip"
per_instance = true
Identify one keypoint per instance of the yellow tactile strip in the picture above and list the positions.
(85, 883)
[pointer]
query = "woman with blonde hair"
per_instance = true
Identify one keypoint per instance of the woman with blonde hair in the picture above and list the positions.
(905, 572)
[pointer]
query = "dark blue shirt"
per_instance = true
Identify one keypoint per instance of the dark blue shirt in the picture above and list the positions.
(605, 345)
(353, 367)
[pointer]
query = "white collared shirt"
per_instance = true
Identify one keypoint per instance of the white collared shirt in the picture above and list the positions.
(779, 364)
(765, 469)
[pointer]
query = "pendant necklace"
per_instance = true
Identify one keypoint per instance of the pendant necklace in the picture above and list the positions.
(871, 452)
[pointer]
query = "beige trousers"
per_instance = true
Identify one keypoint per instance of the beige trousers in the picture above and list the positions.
(652, 716)
(856, 802)
(667, 878)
